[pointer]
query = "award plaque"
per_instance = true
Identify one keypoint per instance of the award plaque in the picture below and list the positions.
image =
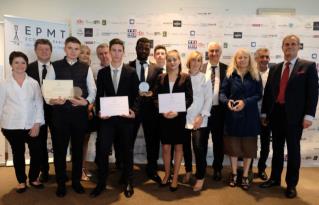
(144, 87)
(77, 92)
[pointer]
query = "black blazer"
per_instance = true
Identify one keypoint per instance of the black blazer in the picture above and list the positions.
(301, 95)
(147, 108)
(33, 72)
(222, 68)
(127, 86)
(183, 83)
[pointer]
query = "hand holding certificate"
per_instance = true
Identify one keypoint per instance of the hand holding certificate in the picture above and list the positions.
(171, 102)
(55, 89)
(114, 106)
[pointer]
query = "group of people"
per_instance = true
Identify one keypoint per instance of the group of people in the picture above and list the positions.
(234, 104)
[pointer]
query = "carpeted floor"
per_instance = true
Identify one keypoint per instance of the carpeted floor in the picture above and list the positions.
(148, 193)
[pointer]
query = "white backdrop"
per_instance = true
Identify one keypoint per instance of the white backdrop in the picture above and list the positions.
(193, 31)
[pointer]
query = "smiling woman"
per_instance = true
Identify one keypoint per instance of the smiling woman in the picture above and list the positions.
(21, 114)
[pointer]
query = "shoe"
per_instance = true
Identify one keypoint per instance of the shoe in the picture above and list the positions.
(217, 176)
(84, 176)
(291, 192)
(21, 190)
(37, 185)
(61, 190)
(269, 183)
(155, 178)
(198, 185)
(232, 180)
(128, 190)
(87, 172)
(187, 177)
(245, 183)
(164, 184)
(173, 189)
(44, 177)
(97, 190)
(78, 188)
(262, 175)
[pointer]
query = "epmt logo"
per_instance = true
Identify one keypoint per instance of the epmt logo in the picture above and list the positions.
(177, 23)
(132, 21)
(238, 35)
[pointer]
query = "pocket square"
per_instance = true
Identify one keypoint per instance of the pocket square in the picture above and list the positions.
(300, 72)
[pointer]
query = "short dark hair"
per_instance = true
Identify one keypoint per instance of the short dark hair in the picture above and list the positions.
(42, 41)
(116, 41)
(16, 54)
(160, 47)
(143, 40)
(72, 39)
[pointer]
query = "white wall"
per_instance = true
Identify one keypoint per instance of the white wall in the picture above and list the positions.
(62, 10)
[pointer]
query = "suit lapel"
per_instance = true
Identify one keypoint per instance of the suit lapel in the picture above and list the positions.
(121, 79)
(277, 78)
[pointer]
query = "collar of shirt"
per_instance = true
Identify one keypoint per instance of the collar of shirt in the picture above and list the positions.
(210, 65)
(70, 62)
(118, 68)
(292, 62)
(138, 62)
(41, 64)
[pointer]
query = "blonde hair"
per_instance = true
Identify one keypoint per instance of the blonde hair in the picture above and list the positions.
(193, 55)
(252, 66)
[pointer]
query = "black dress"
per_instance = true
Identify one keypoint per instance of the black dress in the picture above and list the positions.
(172, 130)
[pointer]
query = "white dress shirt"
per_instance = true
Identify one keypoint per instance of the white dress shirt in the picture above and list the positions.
(96, 70)
(202, 100)
(217, 81)
(138, 68)
(118, 74)
(90, 83)
(20, 106)
(49, 66)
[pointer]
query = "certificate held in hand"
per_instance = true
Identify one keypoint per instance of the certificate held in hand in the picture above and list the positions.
(53, 89)
(114, 106)
(174, 102)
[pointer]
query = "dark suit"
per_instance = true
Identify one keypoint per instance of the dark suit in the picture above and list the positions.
(148, 116)
(116, 126)
(286, 120)
(33, 72)
(215, 124)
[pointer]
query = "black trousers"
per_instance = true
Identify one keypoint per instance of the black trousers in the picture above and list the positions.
(69, 124)
(152, 140)
(216, 128)
(43, 136)
(264, 147)
(200, 141)
(291, 134)
(17, 140)
(109, 129)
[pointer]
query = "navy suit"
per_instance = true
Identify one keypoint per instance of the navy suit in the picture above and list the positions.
(286, 120)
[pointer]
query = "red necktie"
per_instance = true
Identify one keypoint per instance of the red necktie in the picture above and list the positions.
(283, 84)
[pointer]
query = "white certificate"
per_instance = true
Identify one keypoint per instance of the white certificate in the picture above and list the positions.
(114, 106)
(53, 89)
(174, 102)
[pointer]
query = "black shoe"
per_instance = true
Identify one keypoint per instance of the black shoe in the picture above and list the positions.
(291, 192)
(44, 177)
(164, 184)
(21, 190)
(155, 178)
(61, 190)
(173, 189)
(269, 183)
(217, 176)
(37, 186)
(97, 190)
(78, 188)
(262, 175)
(128, 190)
